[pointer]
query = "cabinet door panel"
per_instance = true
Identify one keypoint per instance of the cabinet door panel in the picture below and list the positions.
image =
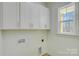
(10, 15)
(1, 15)
(35, 16)
(25, 15)
(44, 19)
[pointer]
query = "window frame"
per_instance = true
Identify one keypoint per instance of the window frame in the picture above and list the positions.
(58, 24)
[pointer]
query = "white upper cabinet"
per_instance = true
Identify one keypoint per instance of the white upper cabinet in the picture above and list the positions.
(10, 15)
(44, 19)
(35, 16)
(25, 15)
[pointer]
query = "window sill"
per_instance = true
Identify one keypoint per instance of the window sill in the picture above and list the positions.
(65, 33)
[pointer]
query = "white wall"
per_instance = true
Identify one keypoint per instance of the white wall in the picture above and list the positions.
(1, 53)
(11, 47)
(60, 44)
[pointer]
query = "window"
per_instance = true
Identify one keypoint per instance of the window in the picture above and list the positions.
(66, 17)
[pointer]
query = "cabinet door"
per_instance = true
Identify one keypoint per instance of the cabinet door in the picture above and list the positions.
(36, 16)
(44, 18)
(25, 14)
(1, 16)
(10, 15)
